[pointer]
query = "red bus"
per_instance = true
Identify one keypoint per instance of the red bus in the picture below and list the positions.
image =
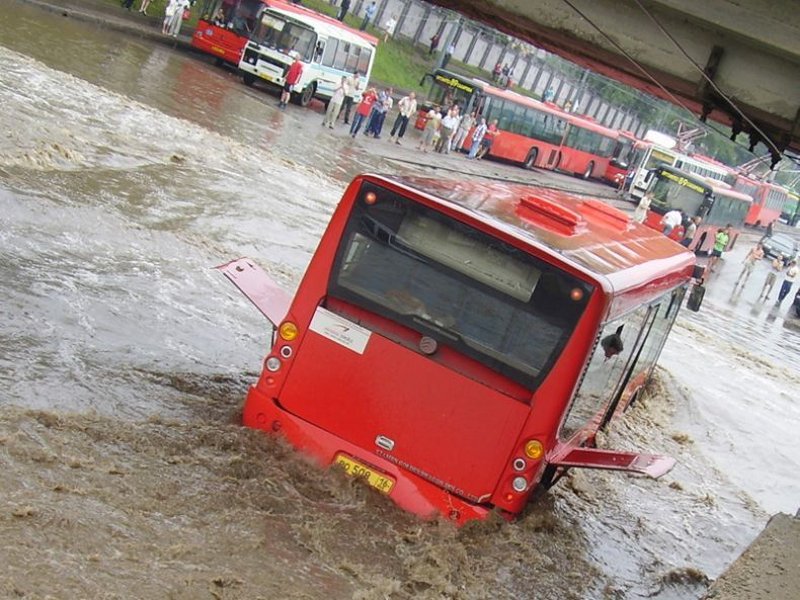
(532, 133)
(769, 200)
(621, 159)
(459, 345)
(225, 26)
(588, 147)
(713, 201)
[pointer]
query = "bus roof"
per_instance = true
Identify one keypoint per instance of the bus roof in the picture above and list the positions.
(592, 125)
(718, 188)
(593, 237)
(308, 13)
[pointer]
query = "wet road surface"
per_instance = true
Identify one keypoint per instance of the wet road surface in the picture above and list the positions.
(128, 171)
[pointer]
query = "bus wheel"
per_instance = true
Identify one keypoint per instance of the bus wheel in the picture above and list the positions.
(530, 160)
(307, 94)
(248, 78)
(588, 172)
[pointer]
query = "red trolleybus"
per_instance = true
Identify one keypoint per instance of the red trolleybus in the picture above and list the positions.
(714, 201)
(224, 27)
(769, 200)
(533, 133)
(459, 345)
(622, 157)
(587, 148)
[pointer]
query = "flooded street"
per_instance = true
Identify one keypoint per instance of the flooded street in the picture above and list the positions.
(127, 172)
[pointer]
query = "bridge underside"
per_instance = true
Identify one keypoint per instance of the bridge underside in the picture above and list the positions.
(736, 62)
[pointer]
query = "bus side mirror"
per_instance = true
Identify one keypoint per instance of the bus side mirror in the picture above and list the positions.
(696, 297)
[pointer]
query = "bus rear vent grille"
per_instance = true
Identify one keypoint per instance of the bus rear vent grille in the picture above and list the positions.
(549, 215)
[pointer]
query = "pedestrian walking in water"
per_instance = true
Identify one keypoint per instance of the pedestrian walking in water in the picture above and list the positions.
(721, 240)
(335, 104)
(772, 276)
(293, 76)
(788, 281)
(640, 212)
(753, 257)
(408, 108)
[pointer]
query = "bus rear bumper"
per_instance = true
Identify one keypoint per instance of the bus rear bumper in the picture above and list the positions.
(410, 492)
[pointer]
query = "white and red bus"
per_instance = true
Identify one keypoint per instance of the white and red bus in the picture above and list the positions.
(460, 344)
(650, 156)
(713, 201)
(769, 200)
(531, 133)
(225, 26)
(328, 49)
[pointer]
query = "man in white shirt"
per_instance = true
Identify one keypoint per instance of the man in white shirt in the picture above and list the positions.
(352, 90)
(449, 125)
(670, 221)
(408, 109)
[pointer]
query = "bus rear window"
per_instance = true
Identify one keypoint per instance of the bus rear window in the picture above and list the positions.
(466, 289)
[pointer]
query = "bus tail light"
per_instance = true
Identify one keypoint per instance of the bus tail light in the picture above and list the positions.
(288, 331)
(286, 351)
(519, 464)
(272, 364)
(534, 449)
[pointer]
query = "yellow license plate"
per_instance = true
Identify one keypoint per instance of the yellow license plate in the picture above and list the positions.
(380, 482)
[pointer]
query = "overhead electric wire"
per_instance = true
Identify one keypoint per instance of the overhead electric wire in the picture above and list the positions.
(669, 94)
(767, 140)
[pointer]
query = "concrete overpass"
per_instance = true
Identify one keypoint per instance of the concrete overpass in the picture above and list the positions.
(734, 61)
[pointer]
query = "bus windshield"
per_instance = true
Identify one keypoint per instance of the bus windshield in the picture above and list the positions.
(275, 31)
(669, 194)
(468, 290)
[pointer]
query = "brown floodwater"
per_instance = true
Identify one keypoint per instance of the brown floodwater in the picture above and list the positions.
(127, 172)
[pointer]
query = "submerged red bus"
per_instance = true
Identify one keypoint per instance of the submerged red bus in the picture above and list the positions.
(713, 201)
(225, 26)
(459, 345)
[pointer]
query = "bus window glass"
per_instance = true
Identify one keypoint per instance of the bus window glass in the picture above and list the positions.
(276, 32)
(674, 195)
(329, 57)
(602, 377)
(468, 290)
(658, 158)
(352, 59)
(340, 60)
(363, 60)
(547, 127)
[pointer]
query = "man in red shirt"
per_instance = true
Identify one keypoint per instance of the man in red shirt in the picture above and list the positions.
(292, 77)
(363, 110)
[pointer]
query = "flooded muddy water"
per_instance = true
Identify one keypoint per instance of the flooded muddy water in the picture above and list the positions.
(127, 172)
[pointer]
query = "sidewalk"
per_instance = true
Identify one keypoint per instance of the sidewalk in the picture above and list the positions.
(113, 16)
